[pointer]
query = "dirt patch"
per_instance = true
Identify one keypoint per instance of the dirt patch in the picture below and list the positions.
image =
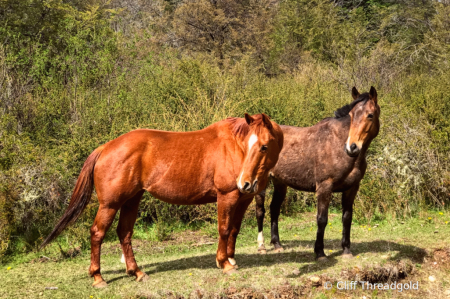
(438, 259)
(441, 258)
(380, 274)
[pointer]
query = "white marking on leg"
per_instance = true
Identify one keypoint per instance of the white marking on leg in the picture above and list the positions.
(232, 261)
(122, 260)
(260, 239)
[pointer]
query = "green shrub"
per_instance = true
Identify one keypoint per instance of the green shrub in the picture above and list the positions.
(73, 81)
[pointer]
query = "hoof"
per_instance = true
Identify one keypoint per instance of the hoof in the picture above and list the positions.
(143, 278)
(347, 256)
(262, 249)
(278, 250)
(322, 259)
(100, 284)
(231, 271)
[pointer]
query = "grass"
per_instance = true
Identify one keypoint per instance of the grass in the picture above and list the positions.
(185, 264)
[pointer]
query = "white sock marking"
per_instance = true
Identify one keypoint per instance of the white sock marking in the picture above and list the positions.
(122, 260)
(260, 239)
(232, 261)
(348, 145)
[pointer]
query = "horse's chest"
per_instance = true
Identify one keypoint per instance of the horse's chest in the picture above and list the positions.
(354, 176)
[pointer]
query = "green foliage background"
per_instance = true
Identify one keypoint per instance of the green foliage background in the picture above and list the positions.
(76, 74)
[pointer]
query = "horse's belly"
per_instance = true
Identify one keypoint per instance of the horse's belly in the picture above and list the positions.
(182, 194)
(302, 182)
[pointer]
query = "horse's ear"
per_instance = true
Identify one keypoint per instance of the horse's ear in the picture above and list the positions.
(373, 94)
(266, 120)
(248, 119)
(355, 93)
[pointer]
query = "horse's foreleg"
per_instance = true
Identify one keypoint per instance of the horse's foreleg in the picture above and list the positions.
(102, 222)
(279, 194)
(260, 213)
(235, 228)
(323, 195)
(226, 206)
(128, 215)
(348, 198)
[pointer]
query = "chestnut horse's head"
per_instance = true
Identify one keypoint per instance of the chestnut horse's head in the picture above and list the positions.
(364, 114)
(261, 140)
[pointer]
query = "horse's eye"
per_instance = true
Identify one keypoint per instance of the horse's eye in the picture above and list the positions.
(263, 148)
(370, 116)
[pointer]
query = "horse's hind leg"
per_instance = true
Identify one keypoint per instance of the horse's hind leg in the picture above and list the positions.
(102, 222)
(260, 212)
(348, 198)
(128, 215)
(323, 195)
(279, 193)
(235, 228)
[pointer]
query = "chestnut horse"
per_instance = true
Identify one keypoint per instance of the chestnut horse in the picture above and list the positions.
(227, 162)
(327, 157)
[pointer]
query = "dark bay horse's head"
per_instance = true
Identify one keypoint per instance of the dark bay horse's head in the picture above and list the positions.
(261, 140)
(365, 124)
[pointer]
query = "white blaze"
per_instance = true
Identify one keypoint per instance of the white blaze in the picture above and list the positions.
(260, 239)
(251, 142)
(239, 181)
(348, 145)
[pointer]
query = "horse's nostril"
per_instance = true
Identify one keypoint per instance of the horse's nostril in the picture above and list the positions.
(353, 147)
(246, 186)
(254, 185)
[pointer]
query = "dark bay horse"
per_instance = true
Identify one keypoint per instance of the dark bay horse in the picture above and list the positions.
(325, 158)
(227, 162)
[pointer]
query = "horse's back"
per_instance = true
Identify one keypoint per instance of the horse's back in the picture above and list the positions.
(177, 167)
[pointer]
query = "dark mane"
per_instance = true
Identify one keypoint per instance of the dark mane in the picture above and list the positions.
(345, 110)
(239, 126)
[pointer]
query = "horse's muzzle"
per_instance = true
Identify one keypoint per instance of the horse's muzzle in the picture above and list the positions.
(352, 150)
(249, 188)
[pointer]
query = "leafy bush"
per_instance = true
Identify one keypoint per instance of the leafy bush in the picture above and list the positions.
(74, 76)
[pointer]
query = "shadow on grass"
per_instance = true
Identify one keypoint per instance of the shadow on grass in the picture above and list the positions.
(207, 261)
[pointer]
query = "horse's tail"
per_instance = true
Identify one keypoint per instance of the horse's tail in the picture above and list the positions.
(80, 197)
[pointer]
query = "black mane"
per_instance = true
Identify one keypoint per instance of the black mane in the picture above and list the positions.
(345, 110)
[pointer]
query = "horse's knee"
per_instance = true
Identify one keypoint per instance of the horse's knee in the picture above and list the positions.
(260, 211)
(224, 231)
(347, 217)
(322, 220)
